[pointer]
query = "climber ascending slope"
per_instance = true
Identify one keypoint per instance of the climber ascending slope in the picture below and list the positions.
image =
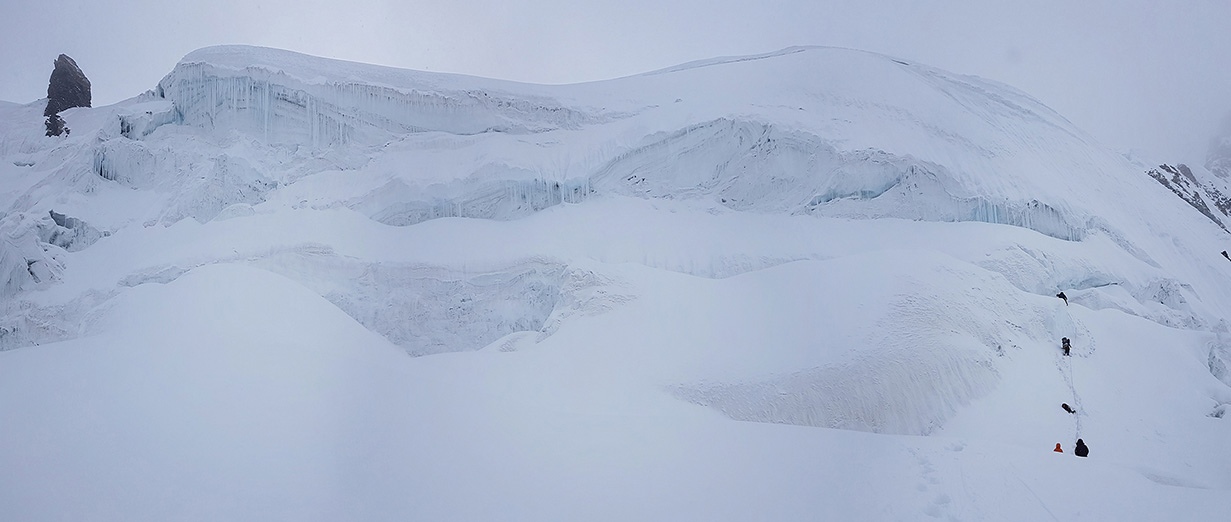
(1066, 298)
(1081, 450)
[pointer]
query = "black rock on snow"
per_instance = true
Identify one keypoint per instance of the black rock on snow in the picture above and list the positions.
(67, 88)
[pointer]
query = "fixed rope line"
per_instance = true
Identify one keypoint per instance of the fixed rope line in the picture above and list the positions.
(1066, 372)
(1076, 399)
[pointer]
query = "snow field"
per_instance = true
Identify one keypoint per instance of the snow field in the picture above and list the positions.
(295, 411)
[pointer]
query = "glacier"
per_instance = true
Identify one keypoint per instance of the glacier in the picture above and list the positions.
(375, 293)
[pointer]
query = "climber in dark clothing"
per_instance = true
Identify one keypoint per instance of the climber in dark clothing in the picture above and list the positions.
(1064, 343)
(1081, 450)
(1067, 408)
(1066, 298)
(1224, 252)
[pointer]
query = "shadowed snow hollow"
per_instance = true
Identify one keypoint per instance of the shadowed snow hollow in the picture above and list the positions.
(426, 309)
(899, 355)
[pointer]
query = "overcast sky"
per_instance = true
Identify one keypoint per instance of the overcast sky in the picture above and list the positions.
(1151, 75)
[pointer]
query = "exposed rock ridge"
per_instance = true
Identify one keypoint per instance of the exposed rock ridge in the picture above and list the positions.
(1180, 179)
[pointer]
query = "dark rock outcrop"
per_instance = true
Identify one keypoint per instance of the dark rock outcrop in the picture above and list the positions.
(55, 125)
(67, 88)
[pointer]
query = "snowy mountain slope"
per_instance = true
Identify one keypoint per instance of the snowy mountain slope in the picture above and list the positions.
(1205, 189)
(1205, 196)
(816, 237)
